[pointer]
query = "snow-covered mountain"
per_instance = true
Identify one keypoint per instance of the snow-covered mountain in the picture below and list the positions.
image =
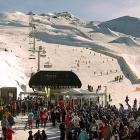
(95, 52)
(126, 24)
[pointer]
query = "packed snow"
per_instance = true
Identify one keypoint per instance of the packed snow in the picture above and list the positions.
(70, 44)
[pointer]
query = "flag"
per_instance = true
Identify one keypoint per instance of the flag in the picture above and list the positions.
(47, 92)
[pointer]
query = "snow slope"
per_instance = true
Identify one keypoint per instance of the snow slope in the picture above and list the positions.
(125, 40)
(104, 30)
(127, 25)
(67, 38)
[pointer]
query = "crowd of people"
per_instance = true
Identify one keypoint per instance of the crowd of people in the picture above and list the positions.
(90, 88)
(93, 122)
(7, 122)
(101, 123)
(119, 78)
(24, 106)
(37, 135)
(28, 106)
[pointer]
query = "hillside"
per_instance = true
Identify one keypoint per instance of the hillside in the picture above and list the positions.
(127, 25)
(65, 37)
(125, 40)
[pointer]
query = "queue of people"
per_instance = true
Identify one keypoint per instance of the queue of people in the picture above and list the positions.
(24, 106)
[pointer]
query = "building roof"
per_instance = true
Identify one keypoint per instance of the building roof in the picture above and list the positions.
(55, 79)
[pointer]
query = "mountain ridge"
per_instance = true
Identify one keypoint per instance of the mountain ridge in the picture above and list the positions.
(126, 24)
(69, 45)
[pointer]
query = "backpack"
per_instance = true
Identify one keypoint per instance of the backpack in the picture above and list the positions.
(10, 120)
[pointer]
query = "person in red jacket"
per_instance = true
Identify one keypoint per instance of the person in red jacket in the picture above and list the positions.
(42, 117)
(14, 108)
(68, 120)
(9, 132)
(103, 131)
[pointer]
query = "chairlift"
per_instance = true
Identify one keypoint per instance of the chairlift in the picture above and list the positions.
(30, 42)
(47, 65)
(30, 35)
(43, 51)
(32, 56)
(38, 40)
(43, 55)
(30, 49)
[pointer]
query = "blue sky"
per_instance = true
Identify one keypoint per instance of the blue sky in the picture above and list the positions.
(100, 10)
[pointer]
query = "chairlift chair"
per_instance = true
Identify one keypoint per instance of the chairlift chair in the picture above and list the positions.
(30, 42)
(43, 55)
(47, 65)
(31, 35)
(30, 49)
(43, 51)
(32, 56)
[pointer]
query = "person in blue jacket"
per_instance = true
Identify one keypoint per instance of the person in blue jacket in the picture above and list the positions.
(83, 135)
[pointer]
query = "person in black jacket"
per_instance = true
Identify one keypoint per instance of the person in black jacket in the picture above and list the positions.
(44, 135)
(139, 133)
(133, 134)
(37, 135)
(62, 131)
(30, 135)
(53, 117)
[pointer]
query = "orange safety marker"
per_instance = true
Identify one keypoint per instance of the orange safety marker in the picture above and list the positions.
(138, 88)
